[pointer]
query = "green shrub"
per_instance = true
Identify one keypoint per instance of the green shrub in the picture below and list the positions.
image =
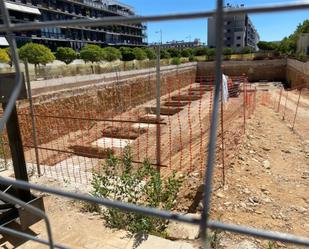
(65, 54)
(227, 51)
(174, 52)
(192, 58)
(36, 53)
(164, 54)
(200, 51)
(127, 54)
(4, 57)
(92, 53)
(211, 53)
(151, 53)
(143, 186)
(246, 50)
(139, 54)
(175, 61)
(111, 54)
(186, 52)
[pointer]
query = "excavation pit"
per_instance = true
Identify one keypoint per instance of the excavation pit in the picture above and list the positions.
(176, 103)
(149, 119)
(91, 151)
(123, 132)
(143, 126)
(184, 97)
(169, 111)
(112, 143)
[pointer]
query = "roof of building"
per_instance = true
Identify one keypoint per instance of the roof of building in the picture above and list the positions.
(22, 8)
(3, 41)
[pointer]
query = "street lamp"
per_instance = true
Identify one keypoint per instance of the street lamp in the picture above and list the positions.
(160, 32)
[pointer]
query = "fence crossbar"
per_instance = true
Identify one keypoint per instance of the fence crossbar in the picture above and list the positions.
(153, 18)
(9, 28)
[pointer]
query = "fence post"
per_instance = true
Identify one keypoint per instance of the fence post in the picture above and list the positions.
(285, 105)
(222, 136)
(244, 100)
(158, 111)
(296, 108)
(279, 102)
(32, 118)
(255, 98)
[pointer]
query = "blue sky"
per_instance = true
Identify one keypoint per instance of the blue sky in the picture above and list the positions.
(271, 27)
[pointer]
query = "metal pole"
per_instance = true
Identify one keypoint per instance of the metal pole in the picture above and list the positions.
(285, 105)
(279, 102)
(158, 111)
(17, 152)
(32, 114)
(214, 122)
(244, 102)
(222, 136)
(296, 109)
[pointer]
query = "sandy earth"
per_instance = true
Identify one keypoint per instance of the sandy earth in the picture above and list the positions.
(266, 187)
(267, 184)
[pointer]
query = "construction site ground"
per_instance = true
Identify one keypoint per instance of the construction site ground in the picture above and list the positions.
(267, 182)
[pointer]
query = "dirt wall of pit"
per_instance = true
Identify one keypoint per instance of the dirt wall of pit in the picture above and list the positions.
(297, 73)
(100, 100)
(268, 70)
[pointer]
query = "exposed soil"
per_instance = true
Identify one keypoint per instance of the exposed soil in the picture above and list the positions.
(267, 184)
(267, 180)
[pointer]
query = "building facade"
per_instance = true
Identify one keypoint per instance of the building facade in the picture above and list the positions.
(180, 44)
(22, 11)
(239, 32)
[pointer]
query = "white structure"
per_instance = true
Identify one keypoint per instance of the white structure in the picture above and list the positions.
(303, 44)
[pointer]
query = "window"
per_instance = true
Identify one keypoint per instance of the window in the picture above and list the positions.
(238, 45)
(238, 37)
(228, 38)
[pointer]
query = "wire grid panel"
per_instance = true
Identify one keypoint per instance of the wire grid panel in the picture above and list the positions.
(204, 221)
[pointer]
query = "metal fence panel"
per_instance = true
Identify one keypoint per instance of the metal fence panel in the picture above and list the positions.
(204, 222)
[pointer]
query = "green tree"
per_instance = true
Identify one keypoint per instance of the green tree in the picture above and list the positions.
(127, 54)
(211, 52)
(192, 58)
(4, 57)
(92, 53)
(227, 51)
(186, 52)
(139, 54)
(36, 54)
(164, 54)
(175, 61)
(151, 53)
(289, 44)
(111, 54)
(66, 54)
(174, 52)
(246, 50)
(268, 46)
(200, 51)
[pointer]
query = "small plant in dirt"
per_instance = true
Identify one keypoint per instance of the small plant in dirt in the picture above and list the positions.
(118, 180)
(214, 239)
(175, 61)
(271, 245)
